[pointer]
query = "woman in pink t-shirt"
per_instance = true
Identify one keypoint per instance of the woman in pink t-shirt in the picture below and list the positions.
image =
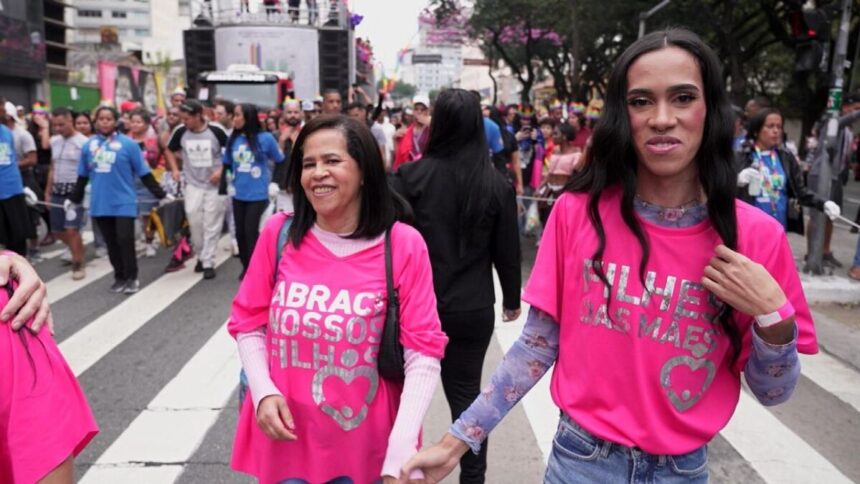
(309, 326)
(45, 420)
(563, 162)
(653, 288)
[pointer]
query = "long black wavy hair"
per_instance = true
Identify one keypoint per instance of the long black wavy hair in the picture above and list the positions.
(612, 159)
(251, 128)
(380, 206)
(457, 139)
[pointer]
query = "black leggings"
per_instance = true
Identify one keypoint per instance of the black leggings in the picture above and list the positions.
(469, 334)
(247, 216)
(118, 233)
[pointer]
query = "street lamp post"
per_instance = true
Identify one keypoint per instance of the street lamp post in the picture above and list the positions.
(831, 151)
(644, 16)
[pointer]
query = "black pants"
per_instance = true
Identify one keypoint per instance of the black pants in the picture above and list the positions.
(247, 216)
(469, 334)
(29, 177)
(118, 233)
(15, 224)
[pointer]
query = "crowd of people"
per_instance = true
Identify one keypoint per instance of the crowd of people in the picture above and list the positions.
(393, 221)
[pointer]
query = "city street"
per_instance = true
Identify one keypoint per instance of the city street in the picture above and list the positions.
(160, 372)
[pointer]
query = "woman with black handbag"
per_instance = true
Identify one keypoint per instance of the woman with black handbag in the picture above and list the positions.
(312, 322)
(467, 213)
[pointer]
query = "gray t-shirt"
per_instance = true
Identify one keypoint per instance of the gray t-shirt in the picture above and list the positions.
(201, 153)
(66, 153)
(24, 142)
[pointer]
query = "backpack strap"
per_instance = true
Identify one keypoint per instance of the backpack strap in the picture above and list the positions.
(283, 238)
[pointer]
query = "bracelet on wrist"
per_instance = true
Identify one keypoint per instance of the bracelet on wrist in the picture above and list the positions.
(784, 312)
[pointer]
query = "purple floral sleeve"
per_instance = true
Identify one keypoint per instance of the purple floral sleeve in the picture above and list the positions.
(772, 370)
(523, 365)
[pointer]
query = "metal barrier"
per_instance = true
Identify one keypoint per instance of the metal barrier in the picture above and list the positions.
(313, 13)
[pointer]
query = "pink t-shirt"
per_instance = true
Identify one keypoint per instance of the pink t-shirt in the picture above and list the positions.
(650, 371)
(564, 164)
(323, 320)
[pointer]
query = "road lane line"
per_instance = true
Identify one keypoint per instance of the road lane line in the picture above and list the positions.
(833, 376)
(185, 409)
(776, 453)
(63, 284)
(87, 346)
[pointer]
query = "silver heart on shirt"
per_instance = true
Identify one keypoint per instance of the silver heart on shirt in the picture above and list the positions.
(686, 399)
(346, 416)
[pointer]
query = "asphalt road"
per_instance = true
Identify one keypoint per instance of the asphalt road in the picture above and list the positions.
(160, 373)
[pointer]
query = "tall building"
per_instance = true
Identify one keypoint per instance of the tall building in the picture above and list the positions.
(132, 20)
(22, 51)
(437, 60)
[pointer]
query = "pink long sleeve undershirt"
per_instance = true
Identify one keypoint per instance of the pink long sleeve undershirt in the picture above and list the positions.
(422, 373)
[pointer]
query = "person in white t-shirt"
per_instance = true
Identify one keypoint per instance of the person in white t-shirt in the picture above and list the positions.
(200, 145)
(66, 147)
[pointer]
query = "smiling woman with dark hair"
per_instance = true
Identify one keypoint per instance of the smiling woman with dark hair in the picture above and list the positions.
(309, 315)
(653, 288)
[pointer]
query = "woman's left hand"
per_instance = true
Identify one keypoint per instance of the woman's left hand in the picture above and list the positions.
(30, 299)
(741, 283)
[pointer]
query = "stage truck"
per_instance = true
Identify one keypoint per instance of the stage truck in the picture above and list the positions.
(261, 59)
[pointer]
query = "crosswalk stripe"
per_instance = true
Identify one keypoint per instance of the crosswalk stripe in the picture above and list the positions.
(86, 236)
(185, 409)
(776, 453)
(63, 285)
(538, 405)
(90, 344)
(833, 376)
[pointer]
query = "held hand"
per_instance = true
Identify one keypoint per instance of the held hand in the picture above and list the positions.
(437, 461)
(30, 197)
(166, 200)
(30, 299)
(275, 419)
(832, 210)
(390, 480)
(176, 175)
(747, 175)
(510, 314)
(215, 178)
(742, 283)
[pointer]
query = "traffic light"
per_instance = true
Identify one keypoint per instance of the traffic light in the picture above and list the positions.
(810, 30)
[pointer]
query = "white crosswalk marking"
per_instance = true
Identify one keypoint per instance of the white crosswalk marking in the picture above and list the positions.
(63, 285)
(90, 344)
(159, 441)
(834, 376)
(184, 409)
(86, 236)
(774, 451)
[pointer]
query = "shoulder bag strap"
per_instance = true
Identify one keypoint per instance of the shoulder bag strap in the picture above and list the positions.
(283, 238)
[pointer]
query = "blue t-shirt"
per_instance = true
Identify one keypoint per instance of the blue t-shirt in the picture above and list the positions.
(494, 136)
(112, 165)
(251, 170)
(773, 198)
(10, 175)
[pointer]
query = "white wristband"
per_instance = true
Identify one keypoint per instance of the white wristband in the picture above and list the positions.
(781, 314)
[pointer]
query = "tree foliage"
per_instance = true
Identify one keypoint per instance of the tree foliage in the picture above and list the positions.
(576, 43)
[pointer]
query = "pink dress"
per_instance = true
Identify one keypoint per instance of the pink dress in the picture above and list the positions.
(44, 416)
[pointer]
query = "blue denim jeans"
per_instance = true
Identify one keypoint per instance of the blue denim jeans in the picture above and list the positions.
(338, 480)
(857, 255)
(578, 456)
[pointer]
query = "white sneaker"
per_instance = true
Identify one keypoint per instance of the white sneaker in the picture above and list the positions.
(66, 256)
(234, 248)
(150, 250)
(101, 252)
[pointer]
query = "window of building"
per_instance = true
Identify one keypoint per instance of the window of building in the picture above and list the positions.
(116, 14)
(89, 13)
(141, 32)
